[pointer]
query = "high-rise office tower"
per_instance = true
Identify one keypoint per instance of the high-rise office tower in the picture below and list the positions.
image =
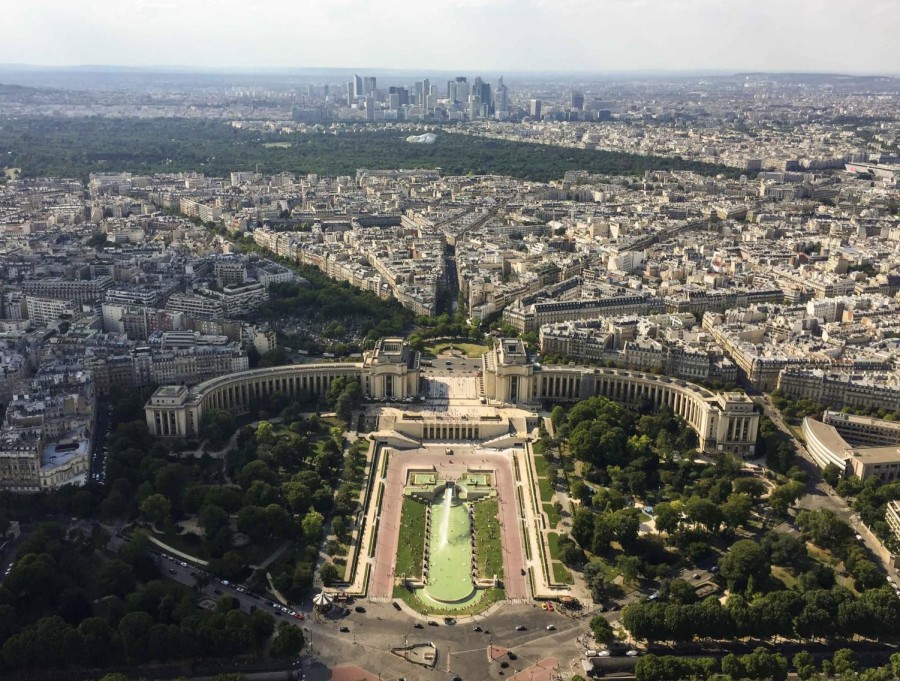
(485, 95)
(357, 87)
(402, 94)
(577, 101)
(535, 109)
(369, 85)
(370, 108)
(501, 97)
(426, 90)
(462, 89)
(351, 94)
(451, 91)
(474, 107)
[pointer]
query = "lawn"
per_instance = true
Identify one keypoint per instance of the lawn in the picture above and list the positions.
(470, 349)
(540, 465)
(546, 489)
(490, 597)
(553, 518)
(561, 574)
(553, 540)
(785, 576)
(411, 549)
(796, 431)
(487, 538)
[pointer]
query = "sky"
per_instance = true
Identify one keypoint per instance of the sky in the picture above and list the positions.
(849, 36)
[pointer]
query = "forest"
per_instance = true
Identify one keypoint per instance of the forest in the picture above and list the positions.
(79, 146)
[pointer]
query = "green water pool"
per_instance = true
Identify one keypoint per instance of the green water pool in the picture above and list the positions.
(450, 555)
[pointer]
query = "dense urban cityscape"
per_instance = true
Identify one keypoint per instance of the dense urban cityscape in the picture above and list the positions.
(595, 375)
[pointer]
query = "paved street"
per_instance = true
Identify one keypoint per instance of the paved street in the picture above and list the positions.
(462, 652)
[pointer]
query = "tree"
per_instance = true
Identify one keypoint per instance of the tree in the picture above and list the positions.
(329, 574)
(629, 567)
(784, 496)
(289, 641)
(805, 664)
(602, 630)
(218, 427)
(645, 621)
(557, 417)
(253, 522)
(736, 510)
(751, 486)
(312, 526)
(704, 512)
(257, 470)
(824, 528)
(666, 517)
(733, 667)
(761, 664)
(157, 509)
(265, 434)
(745, 559)
(133, 628)
(681, 592)
(784, 549)
(832, 474)
(116, 578)
(212, 519)
(844, 662)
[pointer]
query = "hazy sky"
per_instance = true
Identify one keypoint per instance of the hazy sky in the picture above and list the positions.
(490, 35)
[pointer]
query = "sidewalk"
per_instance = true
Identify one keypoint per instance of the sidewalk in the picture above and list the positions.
(176, 552)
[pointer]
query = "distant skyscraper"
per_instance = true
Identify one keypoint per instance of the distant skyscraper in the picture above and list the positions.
(370, 108)
(369, 85)
(501, 97)
(484, 94)
(577, 100)
(357, 86)
(402, 95)
(426, 90)
(535, 109)
(351, 94)
(462, 89)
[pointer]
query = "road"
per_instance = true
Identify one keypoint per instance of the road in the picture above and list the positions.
(97, 469)
(183, 572)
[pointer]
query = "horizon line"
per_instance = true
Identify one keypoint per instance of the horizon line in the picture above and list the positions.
(299, 70)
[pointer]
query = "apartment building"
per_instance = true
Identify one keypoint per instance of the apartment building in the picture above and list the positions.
(78, 291)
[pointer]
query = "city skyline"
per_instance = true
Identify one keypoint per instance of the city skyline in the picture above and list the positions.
(639, 35)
